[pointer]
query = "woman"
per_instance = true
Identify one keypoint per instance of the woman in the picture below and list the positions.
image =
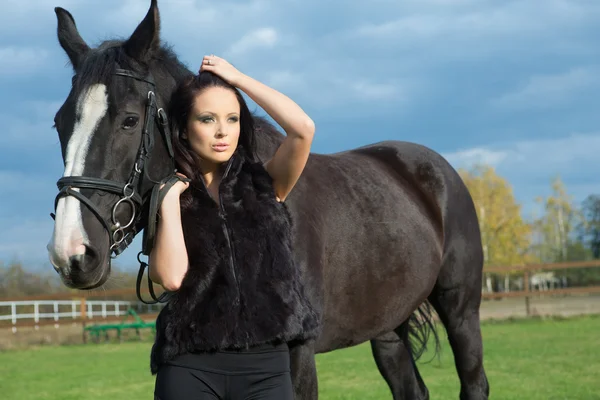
(224, 247)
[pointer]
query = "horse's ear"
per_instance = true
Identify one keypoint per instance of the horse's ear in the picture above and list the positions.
(146, 37)
(69, 37)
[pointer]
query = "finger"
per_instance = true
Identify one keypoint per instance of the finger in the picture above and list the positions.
(186, 181)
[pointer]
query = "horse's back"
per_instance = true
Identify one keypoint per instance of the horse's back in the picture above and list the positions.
(430, 176)
(444, 193)
(372, 221)
(408, 173)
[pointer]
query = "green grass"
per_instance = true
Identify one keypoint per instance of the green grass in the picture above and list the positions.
(527, 359)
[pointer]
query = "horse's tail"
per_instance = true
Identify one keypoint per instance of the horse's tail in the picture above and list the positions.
(418, 330)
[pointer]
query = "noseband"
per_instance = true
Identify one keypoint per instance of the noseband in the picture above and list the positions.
(121, 236)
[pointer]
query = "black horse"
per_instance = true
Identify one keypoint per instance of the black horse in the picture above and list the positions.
(381, 232)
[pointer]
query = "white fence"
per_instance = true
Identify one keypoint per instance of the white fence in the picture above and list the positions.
(42, 312)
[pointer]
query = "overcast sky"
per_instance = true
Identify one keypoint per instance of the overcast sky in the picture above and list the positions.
(510, 83)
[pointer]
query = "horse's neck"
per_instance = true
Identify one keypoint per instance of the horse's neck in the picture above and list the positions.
(268, 139)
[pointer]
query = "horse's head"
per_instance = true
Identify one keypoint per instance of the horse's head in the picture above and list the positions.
(114, 145)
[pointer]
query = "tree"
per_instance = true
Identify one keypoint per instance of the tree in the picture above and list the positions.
(505, 235)
(555, 229)
(15, 281)
(590, 227)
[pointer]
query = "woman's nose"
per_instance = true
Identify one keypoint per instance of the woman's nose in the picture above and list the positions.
(221, 131)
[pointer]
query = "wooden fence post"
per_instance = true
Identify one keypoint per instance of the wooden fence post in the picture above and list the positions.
(82, 312)
(527, 291)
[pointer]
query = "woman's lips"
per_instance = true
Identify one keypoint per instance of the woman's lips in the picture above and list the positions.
(220, 147)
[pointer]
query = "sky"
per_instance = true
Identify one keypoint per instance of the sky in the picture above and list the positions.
(514, 84)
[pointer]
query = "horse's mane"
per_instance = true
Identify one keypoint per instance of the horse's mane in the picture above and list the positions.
(100, 63)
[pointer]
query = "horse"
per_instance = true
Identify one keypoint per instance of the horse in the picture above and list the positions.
(384, 234)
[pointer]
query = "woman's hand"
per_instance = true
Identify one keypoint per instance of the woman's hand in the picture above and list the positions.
(178, 188)
(222, 68)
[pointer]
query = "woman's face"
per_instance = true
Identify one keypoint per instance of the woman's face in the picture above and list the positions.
(213, 127)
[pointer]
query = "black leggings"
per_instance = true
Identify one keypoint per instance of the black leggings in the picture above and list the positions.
(258, 373)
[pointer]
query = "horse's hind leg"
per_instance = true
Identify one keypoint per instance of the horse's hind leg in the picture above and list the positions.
(304, 371)
(395, 363)
(456, 298)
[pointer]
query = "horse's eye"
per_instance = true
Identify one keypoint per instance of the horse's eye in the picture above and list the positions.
(130, 122)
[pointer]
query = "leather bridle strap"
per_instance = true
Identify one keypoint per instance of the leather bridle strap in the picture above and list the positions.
(84, 182)
(156, 199)
(129, 74)
(138, 284)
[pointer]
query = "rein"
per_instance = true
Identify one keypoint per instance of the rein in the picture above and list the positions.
(129, 192)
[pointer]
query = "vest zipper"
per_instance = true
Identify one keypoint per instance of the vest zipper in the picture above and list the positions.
(225, 227)
(236, 301)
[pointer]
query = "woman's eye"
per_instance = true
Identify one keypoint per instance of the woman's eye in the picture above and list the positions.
(206, 119)
(234, 119)
(130, 122)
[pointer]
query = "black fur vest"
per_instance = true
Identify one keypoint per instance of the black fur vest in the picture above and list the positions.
(242, 287)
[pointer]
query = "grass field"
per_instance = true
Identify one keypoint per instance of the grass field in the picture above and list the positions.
(527, 359)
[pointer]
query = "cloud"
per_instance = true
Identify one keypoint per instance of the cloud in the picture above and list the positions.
(284, 79)
(26, 240)
(429, 34)
(374, 91)
(33, 187)
(324, 86)
(42, 109)
(222, 29)
(549, 91)
(23, 6)
(29, 125)
(477, 155)
(257, 39)
(493, 19)
(21, 61)
(22, 134)
(535, 162)
(252, 32)
(530, 165)
(566, 153)
(15, 181)
(195, 22)
(25, 21)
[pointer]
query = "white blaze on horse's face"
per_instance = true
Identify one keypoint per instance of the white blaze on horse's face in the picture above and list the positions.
(69, 237)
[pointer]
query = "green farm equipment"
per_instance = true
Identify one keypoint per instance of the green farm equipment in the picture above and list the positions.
(96, 330)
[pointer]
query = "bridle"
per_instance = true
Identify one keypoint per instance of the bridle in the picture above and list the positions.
(121, 236)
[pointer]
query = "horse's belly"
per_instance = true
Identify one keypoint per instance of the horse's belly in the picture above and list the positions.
(378, 272)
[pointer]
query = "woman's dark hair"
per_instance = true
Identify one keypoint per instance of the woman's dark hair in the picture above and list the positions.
(180, 106)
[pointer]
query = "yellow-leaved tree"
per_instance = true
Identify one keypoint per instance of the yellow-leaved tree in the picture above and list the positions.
(555, 228)
(505, 236)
